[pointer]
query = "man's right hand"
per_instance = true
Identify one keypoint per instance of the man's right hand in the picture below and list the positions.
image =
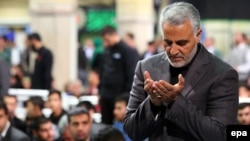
(148, 87)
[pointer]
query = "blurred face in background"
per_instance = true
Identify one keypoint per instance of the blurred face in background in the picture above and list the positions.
(30, 108)
(11, 103)
(3, 119)
(45, 132)
(109, 39)
(55, 102)
(80, 126)
(238, 38)
(3, 43)
(244, 116)
(120, 110)
(27, 43)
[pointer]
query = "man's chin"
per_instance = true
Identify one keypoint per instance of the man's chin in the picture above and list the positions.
(177, 64)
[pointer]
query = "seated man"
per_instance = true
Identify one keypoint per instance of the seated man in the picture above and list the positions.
(7, 131)
(244, 113)
(119, 113)
(43, 130)
(11, 103)
(79, 124)
(109, 134)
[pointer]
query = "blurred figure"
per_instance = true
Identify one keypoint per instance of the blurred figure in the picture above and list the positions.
(96, 127)
(17, 75)
(121, 103)
(119, 62)
(55, 104)
(11, 103)
(34, 108)
(109, 134)
(89, 49)
(93, 83)
(5, 52)
(159, 45)
(42, 76)
(4, 78)
(28, 57)
(76, 88)
(43, 130)
(26, 82)
(80, 124)
(239, 57)
(244, 113)
(129, 39)
(15, 52)
(82, 64)
(7, 132)
(209, 43)
(151, 50)
(244, 91)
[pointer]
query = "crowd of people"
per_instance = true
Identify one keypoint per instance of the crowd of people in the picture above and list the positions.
(106, 69)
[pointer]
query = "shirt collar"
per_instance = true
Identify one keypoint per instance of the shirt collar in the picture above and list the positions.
(6, 128)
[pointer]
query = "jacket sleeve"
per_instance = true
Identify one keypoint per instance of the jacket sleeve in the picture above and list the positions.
(221, 110)
(131, 60)
(139, 121)
(48, 69)
(4, 78)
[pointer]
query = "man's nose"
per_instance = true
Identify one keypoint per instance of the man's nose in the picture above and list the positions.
(174, 50)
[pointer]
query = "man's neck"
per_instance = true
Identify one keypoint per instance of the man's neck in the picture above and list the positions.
(57, 113)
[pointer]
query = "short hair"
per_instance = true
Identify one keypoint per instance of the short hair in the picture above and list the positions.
(11, 96)
(4, 107)
(130, 35)
(150, 43)
(243, 106)
(36, 100)
(4, 38)
(109, 134)
(35, 36)
(77, 111)
(55, 92)
(177, 13)
(108, 30)
(244, 36)
(88, 105)
(122, 98)
(38, 122)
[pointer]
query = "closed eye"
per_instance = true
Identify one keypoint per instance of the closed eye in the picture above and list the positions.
(182, 42)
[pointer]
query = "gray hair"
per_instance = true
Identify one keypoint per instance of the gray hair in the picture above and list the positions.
(177, 13)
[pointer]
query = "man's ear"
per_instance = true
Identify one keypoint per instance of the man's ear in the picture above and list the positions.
(198, 35)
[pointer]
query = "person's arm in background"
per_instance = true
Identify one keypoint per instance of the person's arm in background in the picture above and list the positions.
(48, 60)
(139, 121)
(245, 68)
(131, 59)
(4, 78)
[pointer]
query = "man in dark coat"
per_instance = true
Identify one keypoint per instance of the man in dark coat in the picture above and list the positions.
(42, 76)
(164, 107)
(116, 75)
(7, 131)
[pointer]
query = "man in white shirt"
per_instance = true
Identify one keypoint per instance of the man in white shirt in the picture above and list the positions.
(239, 56)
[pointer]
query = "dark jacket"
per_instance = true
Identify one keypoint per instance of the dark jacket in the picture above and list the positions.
(82, 59)
(117, 70)
(19, 124)
(201, 112)
(4, 78)
(14, 134)
(42, 76)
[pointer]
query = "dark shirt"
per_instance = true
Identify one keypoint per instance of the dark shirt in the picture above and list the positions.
(54, 119)
(117, 71)
(19, 124)
(42, 77)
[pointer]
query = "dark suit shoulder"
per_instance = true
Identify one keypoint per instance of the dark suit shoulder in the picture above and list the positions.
(218, 65)
(154, 59)
(17, 135)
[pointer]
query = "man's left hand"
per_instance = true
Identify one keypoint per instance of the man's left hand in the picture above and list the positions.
(167, 91)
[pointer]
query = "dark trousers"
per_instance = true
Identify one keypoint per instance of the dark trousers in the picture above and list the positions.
(107, 107)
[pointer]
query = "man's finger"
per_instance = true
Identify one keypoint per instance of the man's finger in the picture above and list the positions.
(147, 75)
(167, 85)
(181, 80)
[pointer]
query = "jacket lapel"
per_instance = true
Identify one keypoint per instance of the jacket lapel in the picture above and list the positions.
(163, 71)
(198, 68)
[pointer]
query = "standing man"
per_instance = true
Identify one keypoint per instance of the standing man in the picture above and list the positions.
(7, 132)
(42, 76)
(80, 124)
(116, 75)
(162, 105)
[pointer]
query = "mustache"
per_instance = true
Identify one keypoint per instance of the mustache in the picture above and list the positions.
(176, 56)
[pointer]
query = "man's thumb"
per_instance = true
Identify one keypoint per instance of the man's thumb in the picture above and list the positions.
(146, 75)
(181, 80)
